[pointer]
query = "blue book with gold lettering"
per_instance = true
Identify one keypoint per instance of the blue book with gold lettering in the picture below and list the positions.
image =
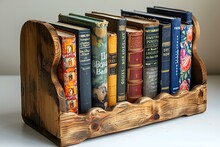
(175, 43)
(164, 58)
(185, 41)
(83, 51)
(98, 55)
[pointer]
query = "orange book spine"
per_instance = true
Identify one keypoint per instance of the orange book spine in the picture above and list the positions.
(67, 71)
(112, 65)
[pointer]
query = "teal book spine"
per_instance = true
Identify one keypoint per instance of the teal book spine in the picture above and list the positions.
(99, 55)
(117, 24)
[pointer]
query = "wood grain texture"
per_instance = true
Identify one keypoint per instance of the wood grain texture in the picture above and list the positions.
(43, 101)
(199, 72)
(97, 122)
(40, 53)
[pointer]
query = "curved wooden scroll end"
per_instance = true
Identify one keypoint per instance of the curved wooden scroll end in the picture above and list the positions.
(97, 122)
(41, 92)
(55, 62)
(53, 56)
(199, 72)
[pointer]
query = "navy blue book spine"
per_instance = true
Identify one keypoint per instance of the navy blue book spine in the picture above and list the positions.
(185, 16)
(175, 51)
(164, 58)
(175, 43)
(83, 50)
(84, 70)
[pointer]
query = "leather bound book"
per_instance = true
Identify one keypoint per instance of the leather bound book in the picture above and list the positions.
(99, 55)
(69, 69)
(175, 43)
(150, 54)
(112, 68)
(83, 56)
(134, 63)
(134, 91)
(117, 24)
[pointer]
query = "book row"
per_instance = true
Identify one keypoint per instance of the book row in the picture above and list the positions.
(107, 58)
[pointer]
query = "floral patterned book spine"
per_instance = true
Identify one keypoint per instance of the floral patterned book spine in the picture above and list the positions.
(185, 56)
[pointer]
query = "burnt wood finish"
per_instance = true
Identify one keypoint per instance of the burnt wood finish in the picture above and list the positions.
(43, 101)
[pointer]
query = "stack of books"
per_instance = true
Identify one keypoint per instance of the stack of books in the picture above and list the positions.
(108, 59)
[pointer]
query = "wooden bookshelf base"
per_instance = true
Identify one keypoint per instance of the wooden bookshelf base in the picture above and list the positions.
(43, 97)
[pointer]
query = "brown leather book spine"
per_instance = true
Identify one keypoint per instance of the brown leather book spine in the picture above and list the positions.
(134, 63)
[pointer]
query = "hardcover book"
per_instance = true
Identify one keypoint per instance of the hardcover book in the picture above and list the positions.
(186, 56)
(164, 58)
(117, 24)
(134, 63)
(186, 16)
(150, 53)
(99, 55)
(175, 43)
(112, 68)
(185, 43)
(83, 56)
(68, 70)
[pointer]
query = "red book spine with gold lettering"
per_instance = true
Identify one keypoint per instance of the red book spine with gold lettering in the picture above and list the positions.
(134, 63)
(67, 70)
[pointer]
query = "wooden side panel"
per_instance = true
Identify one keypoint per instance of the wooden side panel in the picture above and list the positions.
(98, 122)
(199, 72)
(40, 53)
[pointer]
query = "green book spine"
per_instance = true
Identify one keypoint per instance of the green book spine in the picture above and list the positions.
(117, 24)
(99, 55)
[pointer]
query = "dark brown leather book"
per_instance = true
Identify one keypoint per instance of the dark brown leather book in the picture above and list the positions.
(134, 63)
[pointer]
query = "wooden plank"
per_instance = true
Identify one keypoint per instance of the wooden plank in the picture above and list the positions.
(97, 122)
(40, 54)
(199, 72)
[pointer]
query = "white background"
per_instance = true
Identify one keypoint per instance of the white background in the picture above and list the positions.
(14, 13)
(202, 130)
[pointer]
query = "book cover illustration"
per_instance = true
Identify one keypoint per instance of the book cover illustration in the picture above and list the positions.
(99, 67)
(185, 56)
(83, 57)
(69, 71)
(99, 54)
(117, 24)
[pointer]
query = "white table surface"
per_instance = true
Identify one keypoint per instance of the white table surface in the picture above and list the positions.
(202, 130)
